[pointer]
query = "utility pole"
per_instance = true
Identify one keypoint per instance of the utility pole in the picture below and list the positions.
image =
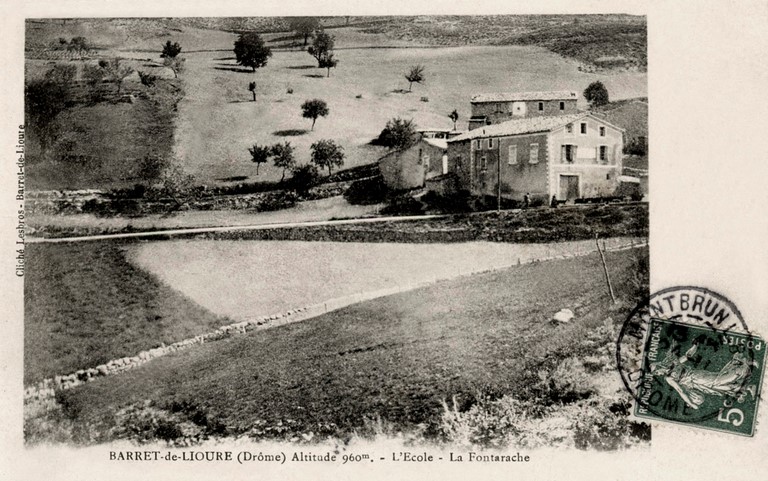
(498, 179)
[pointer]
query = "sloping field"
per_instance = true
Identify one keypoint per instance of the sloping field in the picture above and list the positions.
(246, 279)
(395, 358)
(218, 121)
(84, 305)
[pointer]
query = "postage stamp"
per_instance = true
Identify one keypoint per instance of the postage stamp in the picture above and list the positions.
(687, 357)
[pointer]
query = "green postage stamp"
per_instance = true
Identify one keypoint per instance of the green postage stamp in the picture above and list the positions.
(698, 363)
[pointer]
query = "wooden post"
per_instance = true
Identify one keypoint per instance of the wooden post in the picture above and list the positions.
(498, 181)
(605, 270)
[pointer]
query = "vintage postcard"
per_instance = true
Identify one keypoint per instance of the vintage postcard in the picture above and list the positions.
(314, 240)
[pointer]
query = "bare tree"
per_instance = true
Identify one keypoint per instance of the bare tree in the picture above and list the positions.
(115, 72)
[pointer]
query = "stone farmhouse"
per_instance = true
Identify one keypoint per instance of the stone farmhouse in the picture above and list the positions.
(528, 143)
(427, 158)
(494, 108)
(570, 156)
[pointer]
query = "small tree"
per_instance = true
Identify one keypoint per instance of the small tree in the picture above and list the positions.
(322, 46)
(312, 109)
(454, 116)
(326, 153)
(596, 94)
(303, 179)
(115, 72)
(177, 184)
(250, 51)
(170, 50)
(283, 157)
(78, 45)
(398, 134)
(260, 155)
(304, 26)
(415, 75)
(328, 62)
(176, 64)
(252, 89)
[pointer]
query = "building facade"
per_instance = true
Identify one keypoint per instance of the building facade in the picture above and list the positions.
(565, 156)
(410, 168)
(490, 109)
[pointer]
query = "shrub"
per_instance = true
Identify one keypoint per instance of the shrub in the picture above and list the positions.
(398, 134)
(304, 178)
(603, 424)
(403, 204)
(367, 191)
(147, 79)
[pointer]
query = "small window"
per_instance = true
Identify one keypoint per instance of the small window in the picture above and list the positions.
(512, 159)
(562, 105)
(583, 127)
(490, 143)
(569, 128)
(483, 164)
(602, 131)
(477, 144)
(569, 153)
(541, 106)
(534, 155)
(603, 153)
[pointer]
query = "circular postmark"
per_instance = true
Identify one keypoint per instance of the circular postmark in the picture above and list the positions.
(686, 355)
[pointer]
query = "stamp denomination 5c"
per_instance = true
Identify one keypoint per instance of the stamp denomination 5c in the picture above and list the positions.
(698, 366)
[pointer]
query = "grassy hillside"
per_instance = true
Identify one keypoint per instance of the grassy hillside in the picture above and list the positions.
(394, 359)
(84, 304)
(217, 122)
(603, 41)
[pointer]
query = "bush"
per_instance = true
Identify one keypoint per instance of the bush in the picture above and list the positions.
(636, 146)
(304, 178)
(147, 79)
(403, 205)
(367, 191)
(456, 203)
(603, 424)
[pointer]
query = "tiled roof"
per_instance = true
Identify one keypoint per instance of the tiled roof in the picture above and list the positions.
(521, 126)
(523, 96)
(439, 143)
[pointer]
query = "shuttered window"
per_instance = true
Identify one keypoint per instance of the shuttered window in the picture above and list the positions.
(512, 159)
(534, 154)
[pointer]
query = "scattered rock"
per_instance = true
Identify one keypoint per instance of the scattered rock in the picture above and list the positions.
(563, 316)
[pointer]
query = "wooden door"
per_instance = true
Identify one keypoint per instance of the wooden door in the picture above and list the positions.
(569, 187)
